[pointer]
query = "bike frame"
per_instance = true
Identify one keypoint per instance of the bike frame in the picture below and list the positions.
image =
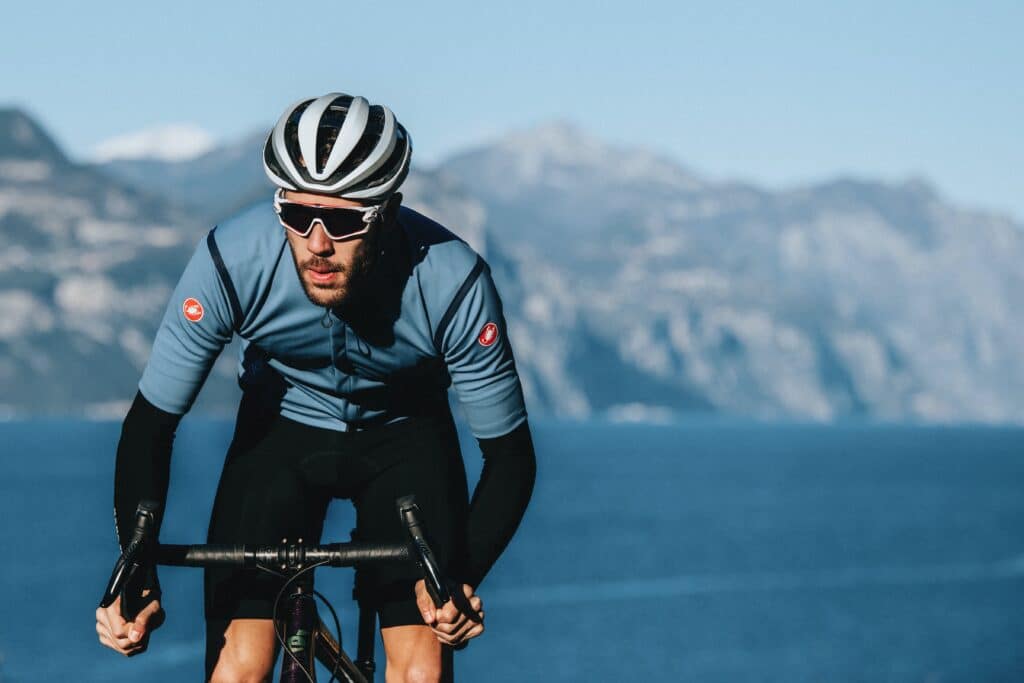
(307, 639)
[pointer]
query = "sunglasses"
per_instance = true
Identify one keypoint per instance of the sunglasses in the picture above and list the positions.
(339, 222)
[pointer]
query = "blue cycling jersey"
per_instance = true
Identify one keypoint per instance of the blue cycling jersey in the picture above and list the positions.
(429, 317)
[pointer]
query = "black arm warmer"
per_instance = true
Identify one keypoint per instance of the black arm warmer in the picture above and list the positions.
(143, 463)
(499, 500)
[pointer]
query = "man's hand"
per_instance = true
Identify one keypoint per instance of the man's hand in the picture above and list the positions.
(128, 637)
(458, 620)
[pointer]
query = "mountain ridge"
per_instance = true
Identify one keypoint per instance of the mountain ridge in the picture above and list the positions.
(819, 301)
(23, 139)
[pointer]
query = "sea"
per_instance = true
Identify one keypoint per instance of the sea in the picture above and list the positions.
(704, 550)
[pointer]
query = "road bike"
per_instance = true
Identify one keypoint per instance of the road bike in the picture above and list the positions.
(301, 633)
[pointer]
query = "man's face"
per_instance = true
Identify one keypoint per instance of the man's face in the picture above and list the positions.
(328, 269)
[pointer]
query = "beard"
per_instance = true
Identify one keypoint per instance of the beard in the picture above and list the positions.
(346, 289)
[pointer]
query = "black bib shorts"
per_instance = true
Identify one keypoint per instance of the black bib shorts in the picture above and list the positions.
(280, 475)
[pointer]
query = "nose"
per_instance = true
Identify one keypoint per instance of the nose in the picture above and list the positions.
(318, 242)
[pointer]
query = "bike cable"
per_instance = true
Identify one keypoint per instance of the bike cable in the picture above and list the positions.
(277, 603)
(337, 629)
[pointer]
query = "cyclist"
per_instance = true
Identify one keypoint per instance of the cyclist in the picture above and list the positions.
(355, 314)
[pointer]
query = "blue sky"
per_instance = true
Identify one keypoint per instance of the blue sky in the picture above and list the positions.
(774, 93)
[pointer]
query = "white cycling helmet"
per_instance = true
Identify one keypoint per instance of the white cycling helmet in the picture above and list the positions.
(338, 145)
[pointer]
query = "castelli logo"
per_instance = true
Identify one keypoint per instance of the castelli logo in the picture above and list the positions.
(488, 335)
(192, 309)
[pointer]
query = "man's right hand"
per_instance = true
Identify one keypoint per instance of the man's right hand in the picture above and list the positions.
(128, 637)
(458, 621)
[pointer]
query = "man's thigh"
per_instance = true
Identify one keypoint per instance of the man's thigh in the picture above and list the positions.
(262, 498)
(420, 457)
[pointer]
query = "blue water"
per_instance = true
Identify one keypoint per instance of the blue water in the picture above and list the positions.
(697, 552)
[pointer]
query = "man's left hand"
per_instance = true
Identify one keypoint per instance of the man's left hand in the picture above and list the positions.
(458, 620)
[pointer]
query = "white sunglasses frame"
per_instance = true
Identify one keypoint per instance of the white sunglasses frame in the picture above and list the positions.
(370, 216)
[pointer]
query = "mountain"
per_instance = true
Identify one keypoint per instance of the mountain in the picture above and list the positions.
(23, 141)
(849, 298)
(85, 272)
(210, 187)
(556, 161)
(634, 288)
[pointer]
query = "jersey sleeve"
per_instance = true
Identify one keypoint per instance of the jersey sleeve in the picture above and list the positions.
(195, 327)
(479, 358)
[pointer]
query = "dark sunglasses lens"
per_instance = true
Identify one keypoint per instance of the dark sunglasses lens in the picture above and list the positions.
(298, 217)
(342, 222)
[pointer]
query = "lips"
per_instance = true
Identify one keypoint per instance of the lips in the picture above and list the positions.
(321, 275)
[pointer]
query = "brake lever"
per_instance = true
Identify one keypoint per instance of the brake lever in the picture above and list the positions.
(409, 512)
(127, 580)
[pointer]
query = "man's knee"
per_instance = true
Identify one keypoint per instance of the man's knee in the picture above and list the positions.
(235, 667)
(413, 655)
(415, 672)
(231, 674)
